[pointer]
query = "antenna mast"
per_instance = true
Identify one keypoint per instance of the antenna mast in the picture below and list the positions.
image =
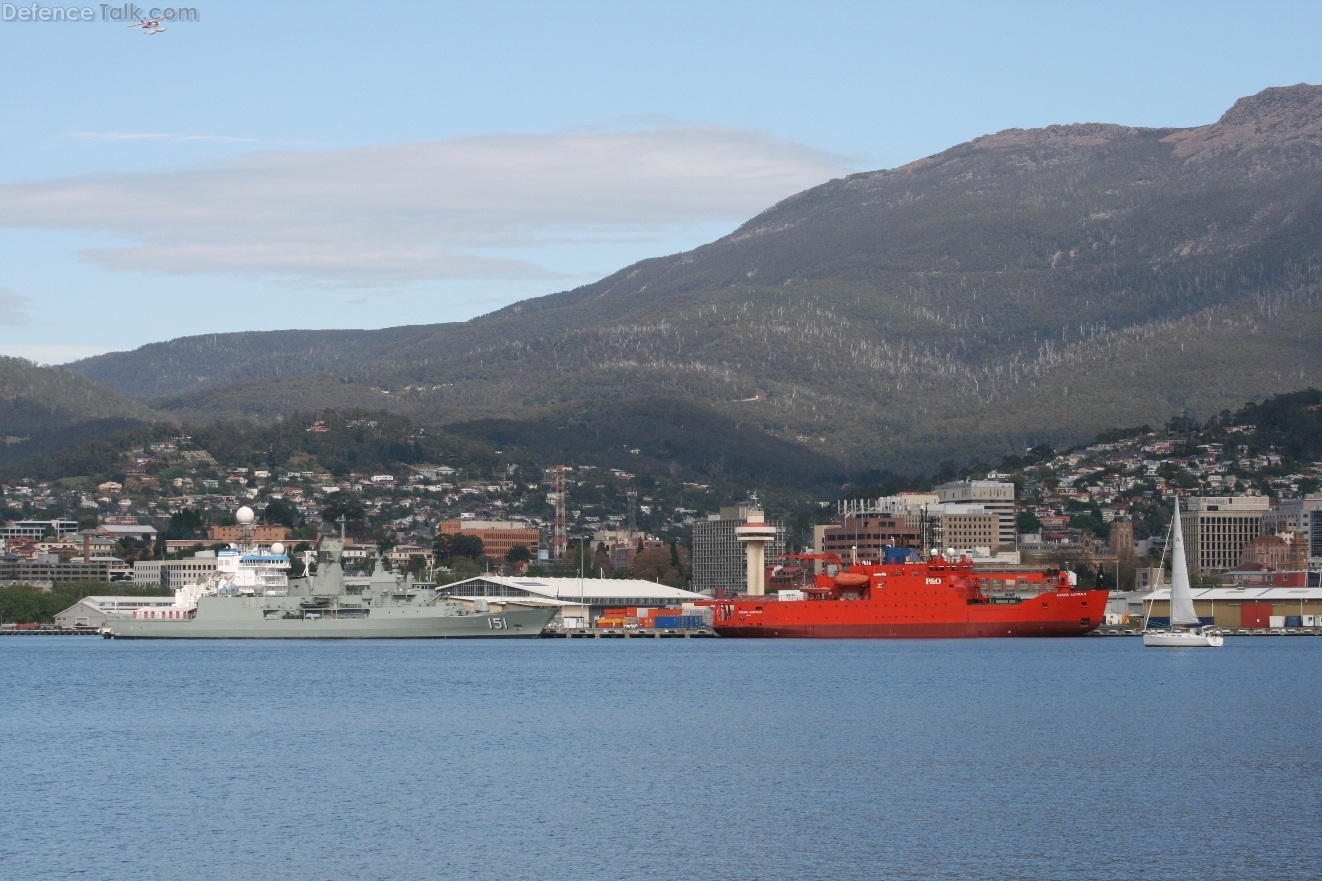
(560, 538)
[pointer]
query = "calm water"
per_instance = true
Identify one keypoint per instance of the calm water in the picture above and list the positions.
(660, 759)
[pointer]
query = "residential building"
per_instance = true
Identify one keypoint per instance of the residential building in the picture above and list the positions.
(1216, 529)
(995, 496)
(718, 556)
(400, 555)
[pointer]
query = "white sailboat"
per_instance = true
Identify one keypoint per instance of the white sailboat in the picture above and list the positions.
(1185, 630)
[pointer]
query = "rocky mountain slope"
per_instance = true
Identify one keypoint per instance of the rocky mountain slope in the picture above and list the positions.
(1030, 285)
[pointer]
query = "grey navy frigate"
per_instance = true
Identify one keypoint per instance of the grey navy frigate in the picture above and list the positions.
(251, 597)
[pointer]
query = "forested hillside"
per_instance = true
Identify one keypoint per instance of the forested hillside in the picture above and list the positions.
(45, 408)
(1027, 286)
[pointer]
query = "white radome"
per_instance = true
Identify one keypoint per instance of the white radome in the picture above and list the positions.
(244, 516)
(278, 548)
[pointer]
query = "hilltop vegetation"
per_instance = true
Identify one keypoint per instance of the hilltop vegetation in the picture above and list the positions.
(661, 436)
(45, 408)
(1028, 286)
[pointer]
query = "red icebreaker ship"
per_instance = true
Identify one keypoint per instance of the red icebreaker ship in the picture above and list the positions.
(907, 598)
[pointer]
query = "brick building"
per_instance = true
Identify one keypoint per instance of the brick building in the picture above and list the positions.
(498, 536)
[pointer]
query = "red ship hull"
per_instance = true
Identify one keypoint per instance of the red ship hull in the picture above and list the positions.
(935, 600)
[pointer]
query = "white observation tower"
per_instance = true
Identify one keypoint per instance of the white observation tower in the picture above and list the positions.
(755, 533)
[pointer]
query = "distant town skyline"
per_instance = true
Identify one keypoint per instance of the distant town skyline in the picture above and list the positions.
(332, 165)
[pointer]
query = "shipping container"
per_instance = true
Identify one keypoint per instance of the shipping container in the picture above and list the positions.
(679, 622)
(1254, 615)
(1294, 621)
(1276, 621)
(1311, 620)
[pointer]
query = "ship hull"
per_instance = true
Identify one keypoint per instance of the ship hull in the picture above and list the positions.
(1047, 615)
(249, 623)
(881, 630)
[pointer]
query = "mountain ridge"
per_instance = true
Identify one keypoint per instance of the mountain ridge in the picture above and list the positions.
(1030, 284)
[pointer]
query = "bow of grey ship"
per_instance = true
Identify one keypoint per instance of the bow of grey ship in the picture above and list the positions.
(251, 598)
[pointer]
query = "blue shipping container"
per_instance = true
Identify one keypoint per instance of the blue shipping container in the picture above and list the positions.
(1294, 621)
(679, 622)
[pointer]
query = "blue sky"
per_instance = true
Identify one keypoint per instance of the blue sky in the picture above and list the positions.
(368, 165)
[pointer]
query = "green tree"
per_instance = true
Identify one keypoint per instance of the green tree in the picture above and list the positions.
(296, 567)
(346, 505)
(279, 512)
(25, 603)
(1026, 521)
(451, 546)
(185, 524)
(519, 554)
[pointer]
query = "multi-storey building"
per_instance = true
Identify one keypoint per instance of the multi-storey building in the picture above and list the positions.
(1298, 515)
(862, 537)
(1216, 529)
(174, 573)
(498, 536)
(37, 528)
(965, 527)
(995, 496)
(29, 572)
(718, 556)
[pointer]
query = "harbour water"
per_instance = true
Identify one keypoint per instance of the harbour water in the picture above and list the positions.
(1026, 759)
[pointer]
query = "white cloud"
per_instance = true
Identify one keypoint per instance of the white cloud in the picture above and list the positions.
(155, 136)
(432, 210)
(12, 309)
(52, 354)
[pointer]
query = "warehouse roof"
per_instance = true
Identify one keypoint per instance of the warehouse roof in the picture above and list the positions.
(1252, 593)
(598, 591)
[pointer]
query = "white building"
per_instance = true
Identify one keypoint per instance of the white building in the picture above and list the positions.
(93, 611)
(174, 573)
(577, 597)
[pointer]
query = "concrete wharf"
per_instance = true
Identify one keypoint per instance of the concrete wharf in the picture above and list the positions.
(49, 631)
(1131, 630)
(631, 633)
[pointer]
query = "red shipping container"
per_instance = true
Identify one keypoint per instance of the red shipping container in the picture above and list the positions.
(1253, 615)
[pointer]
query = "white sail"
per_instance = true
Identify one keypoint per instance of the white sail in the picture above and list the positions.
(1182, 611)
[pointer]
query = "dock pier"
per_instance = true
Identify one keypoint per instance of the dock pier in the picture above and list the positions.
(631, 633)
